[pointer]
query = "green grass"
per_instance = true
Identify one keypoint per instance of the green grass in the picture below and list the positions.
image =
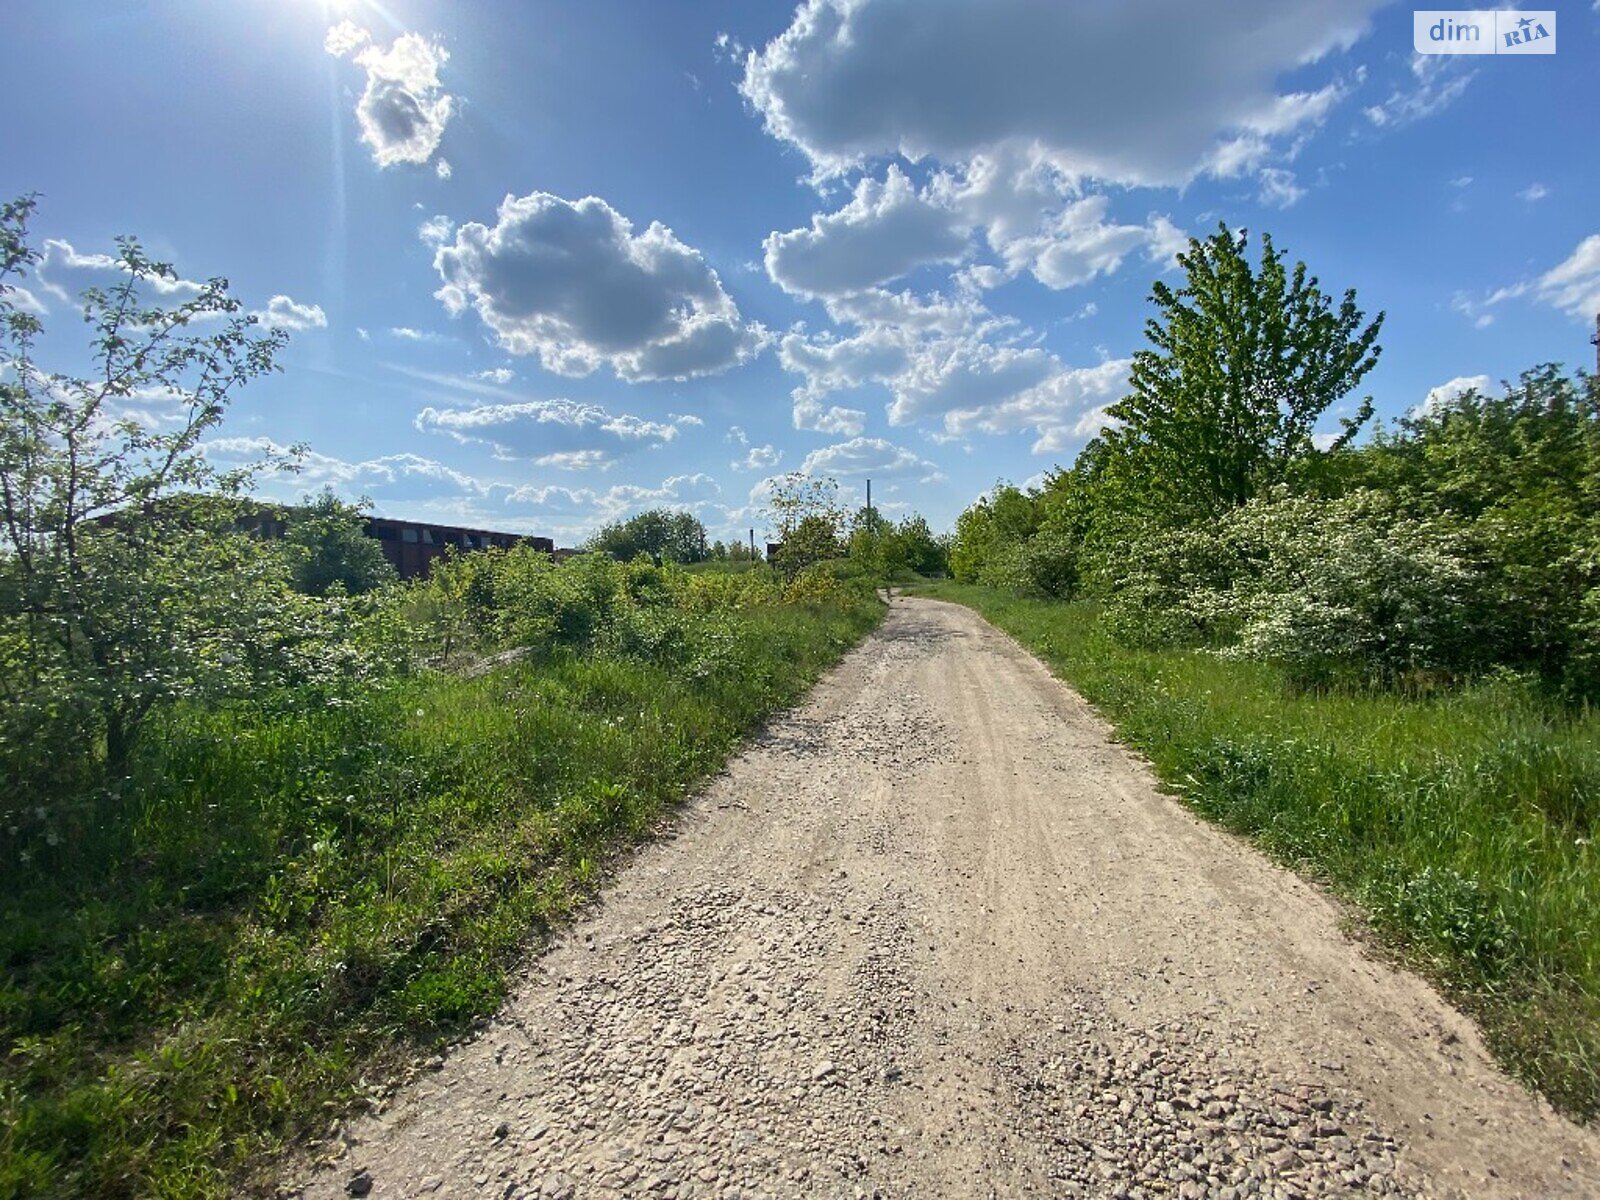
(1462, 825)
(299, 902)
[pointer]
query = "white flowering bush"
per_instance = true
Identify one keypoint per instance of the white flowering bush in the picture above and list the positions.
(1168, 587)
(1356, 587)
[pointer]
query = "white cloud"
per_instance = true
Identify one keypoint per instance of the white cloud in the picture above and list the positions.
(1034, 219)
(1437, 398)
(815, 417)
(571, 282)
(1574, 285)
(1438, 81)
(1079, 243)
(344, 38)
(283, 313)
(576, 460)
(758, 458)
(570, 510)
(60, 255)
(496, 375)
(404, 109)
(25, 300)
(1279, 189)
(436, 231)
(539, 428)
(442, 169)
(407, 334)
(875, 457)
(1070, 403)
(1142, 93)
(886, 230)
(1533, 193)
(415, 475)
(950, 372)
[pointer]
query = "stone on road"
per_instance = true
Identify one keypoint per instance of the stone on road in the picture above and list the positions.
(934, 933)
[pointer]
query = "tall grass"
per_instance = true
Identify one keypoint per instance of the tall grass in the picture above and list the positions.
(284, 904)
(1462, 824)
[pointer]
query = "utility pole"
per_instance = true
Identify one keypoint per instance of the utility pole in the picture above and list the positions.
(1595, 341)
(752, 545)
(869, 499)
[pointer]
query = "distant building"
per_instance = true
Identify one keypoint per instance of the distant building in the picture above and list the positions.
(412, 546)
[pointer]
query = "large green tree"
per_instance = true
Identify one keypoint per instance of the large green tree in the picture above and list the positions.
(665, 534)
(1244, 361)
(329, 545)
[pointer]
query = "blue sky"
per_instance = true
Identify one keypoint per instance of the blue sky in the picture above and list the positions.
(547, 264)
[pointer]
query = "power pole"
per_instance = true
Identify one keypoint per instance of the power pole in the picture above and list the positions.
(1595, 341)
(752, 545)
(870, 513)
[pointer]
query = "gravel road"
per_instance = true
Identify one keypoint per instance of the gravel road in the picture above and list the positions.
(935, 934)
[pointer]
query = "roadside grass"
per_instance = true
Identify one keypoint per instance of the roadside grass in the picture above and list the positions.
(302, 901)
(1462, 824)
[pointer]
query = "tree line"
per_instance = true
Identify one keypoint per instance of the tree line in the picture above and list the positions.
(1461, 538)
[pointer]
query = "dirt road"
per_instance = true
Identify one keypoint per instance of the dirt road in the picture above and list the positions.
(935, 934)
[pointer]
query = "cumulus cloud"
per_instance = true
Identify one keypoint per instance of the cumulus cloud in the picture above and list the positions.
(283, 313)
(1441, 396)
(1077, 243)
(404, 108)
(571, 282)
(1069, 404)
(961, 376)
(436, 231)
(758, 458)
(344, 38)
(537, 429)
(886, 230)
(1142, 93)
(496, 375)
(875, 457)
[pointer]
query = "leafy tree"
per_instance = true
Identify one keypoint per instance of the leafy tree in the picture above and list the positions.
(333, 547)
(919, 550)
(1243, 363)
(872, 542)
(665, 534)
(123, 580)
(990, 536)
(805, 512)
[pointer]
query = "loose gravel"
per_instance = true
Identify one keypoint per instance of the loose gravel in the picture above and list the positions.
(935, 934)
